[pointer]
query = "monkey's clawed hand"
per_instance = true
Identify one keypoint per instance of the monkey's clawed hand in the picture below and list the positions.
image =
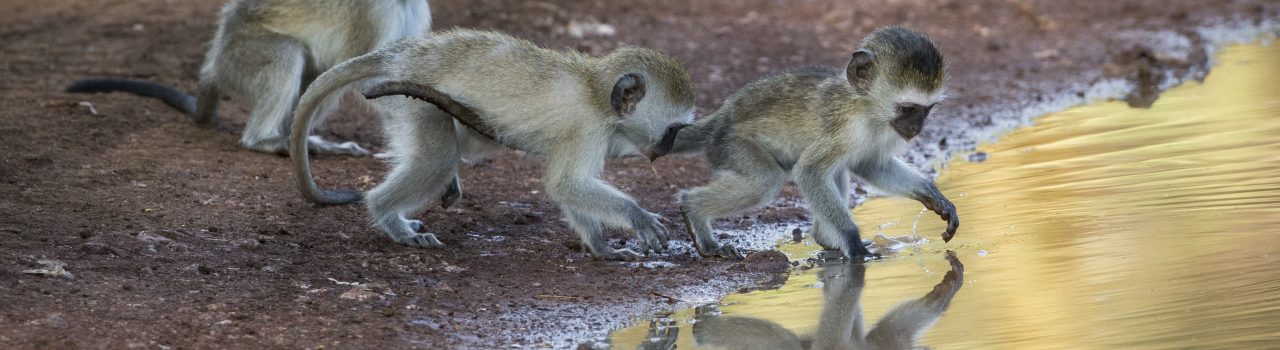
(936, 202)
(651, 232)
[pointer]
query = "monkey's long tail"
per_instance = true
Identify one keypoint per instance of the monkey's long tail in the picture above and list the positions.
(342, 75)
(177, 99)
(696, 136)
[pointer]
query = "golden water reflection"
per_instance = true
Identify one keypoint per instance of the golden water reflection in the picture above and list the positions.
(1100, 227)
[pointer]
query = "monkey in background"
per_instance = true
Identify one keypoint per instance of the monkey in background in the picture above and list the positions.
(574, 110)
(269, 51)
(840, 325)
(818, 125)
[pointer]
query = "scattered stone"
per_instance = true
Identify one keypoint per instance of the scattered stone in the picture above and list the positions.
(797, 235)
(102, 249)
(365, 292)
(978, 157)
(152, 237)
(204, 270)
(527, 219)
(55, 320)
(767, 261)
(344, 283)
(52, 268)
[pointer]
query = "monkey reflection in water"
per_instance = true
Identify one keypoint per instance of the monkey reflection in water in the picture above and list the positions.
(840, 326)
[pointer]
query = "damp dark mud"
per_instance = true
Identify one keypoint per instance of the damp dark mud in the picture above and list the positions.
(1099, 227)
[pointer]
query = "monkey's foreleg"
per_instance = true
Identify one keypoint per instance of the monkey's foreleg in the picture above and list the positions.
(939, 204)
(894, 176)
(570, 181)
(840, 325)
(826, 236)
(899, 328)
(662, 335)
(825, 204)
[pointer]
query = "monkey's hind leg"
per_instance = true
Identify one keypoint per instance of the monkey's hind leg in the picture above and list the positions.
(270, 70)
(207, 96)
(452, 193)
(592, 234)
(426, 161)
(745, 178)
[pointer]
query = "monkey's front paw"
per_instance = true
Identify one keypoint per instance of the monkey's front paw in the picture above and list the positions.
(422, 240)
(946, 210)
(860, 252)
(620, 255)
(652, 234)
(663, 334)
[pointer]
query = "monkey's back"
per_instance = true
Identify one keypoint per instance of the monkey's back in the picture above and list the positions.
(331, 30)
(506, 79)
(789, 109)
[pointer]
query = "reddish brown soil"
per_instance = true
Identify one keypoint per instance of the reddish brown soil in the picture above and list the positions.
(179, 238)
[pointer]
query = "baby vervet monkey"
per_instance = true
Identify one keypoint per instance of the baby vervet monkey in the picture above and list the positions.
(268, 51)
(572, 109)
(819, 125)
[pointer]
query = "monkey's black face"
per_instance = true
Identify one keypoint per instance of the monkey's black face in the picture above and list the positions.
(910, 119)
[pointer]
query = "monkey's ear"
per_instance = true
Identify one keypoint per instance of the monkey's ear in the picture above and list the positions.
(627, 94)
(861, 70)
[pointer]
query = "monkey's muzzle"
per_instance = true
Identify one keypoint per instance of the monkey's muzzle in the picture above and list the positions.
(909, 124)
(667, 143)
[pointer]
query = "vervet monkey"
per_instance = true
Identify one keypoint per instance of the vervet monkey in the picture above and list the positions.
(819, 124)
(268, 51)
(572, 109)
(840, 325)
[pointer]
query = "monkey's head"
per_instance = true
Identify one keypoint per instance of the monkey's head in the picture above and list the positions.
(648, 94)
(903, 73)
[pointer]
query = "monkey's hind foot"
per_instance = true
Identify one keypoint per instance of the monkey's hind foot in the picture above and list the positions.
(420, 240)
(412, 238)
(415, 225)
(722, 251)
(319, 145)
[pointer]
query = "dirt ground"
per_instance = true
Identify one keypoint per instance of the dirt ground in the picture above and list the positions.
(178, 238)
